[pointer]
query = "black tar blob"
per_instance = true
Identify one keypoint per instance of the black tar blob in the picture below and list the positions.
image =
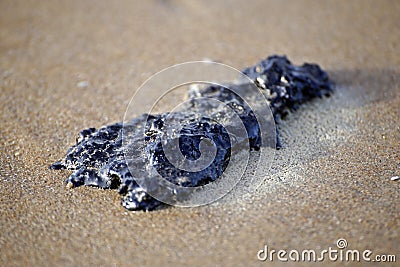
(97, 159)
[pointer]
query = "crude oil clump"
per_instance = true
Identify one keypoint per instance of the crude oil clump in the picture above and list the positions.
(97, 159)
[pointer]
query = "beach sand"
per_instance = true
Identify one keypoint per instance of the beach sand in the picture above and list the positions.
(69, 65)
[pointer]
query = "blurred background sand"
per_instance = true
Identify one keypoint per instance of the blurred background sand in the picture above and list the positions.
(69, 65)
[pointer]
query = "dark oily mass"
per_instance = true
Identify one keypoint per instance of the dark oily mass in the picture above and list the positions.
(97, 159)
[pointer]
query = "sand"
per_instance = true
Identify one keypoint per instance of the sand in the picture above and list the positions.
(68, 65)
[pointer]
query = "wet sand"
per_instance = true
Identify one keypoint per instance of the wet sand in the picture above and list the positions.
(331, 180)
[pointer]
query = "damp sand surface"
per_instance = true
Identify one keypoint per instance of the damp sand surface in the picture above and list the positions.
(68, 65)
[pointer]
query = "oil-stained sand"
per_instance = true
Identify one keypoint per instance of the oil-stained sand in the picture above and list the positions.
(331, 180)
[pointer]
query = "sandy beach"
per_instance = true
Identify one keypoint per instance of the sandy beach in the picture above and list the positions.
(69, 65)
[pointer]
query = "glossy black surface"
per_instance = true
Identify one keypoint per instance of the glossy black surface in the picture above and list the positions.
(97, 159)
